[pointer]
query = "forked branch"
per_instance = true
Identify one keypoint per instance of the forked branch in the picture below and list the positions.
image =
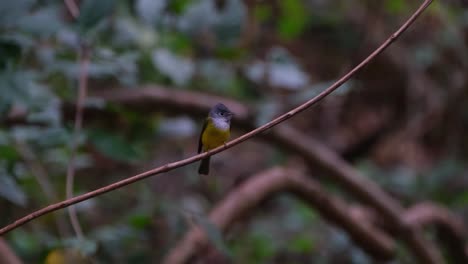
(244, 199)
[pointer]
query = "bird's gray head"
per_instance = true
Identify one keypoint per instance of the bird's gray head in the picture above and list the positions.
(221, 111)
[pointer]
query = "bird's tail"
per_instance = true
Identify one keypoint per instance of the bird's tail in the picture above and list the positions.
(204, 166)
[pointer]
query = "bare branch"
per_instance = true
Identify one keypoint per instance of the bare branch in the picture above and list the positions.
(7, 255)
(366, 190)
(83, 60)
(250, 194)
(451, 228)
(72, 8)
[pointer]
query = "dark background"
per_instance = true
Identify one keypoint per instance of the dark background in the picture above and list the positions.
(401, 121)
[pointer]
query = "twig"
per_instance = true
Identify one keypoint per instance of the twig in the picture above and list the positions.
(177, 164)
(83, 59)
(72, 8)
(250, 194)
(451, 228)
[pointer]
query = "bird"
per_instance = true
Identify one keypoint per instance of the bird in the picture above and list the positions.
(215, 132)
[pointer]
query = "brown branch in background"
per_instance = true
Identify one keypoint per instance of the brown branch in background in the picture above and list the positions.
(366, 190)
(274, 122)
(151, 98)
(370, 238)
(72, 7)
(83, 59)
(7, 255)
(250, 194)
(450, 229)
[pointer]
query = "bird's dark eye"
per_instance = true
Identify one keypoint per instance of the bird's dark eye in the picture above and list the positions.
(222, 113)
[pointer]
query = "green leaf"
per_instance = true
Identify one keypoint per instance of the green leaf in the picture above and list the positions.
(140, 221)
(92, 12)
(178, 6)
(23, 88)
(8, 153)
(10, 190)
(43, 22)
(395, 6)
(257, 247)
(10, 11)
(262, 12)
(150, 11)
(86, 247)
(10, 50)
(293, 20)
(24, 242)
(213, 233)
(461, 199)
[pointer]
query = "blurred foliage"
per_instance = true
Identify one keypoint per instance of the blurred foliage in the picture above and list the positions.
(293, 19)
(273, 55)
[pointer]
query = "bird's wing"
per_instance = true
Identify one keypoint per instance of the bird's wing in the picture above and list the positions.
(200, 144)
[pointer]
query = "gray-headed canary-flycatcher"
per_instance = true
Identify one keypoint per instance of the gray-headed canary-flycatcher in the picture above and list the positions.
(215, 132)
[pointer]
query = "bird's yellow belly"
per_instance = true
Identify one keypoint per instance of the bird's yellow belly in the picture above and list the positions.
(214, 137)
